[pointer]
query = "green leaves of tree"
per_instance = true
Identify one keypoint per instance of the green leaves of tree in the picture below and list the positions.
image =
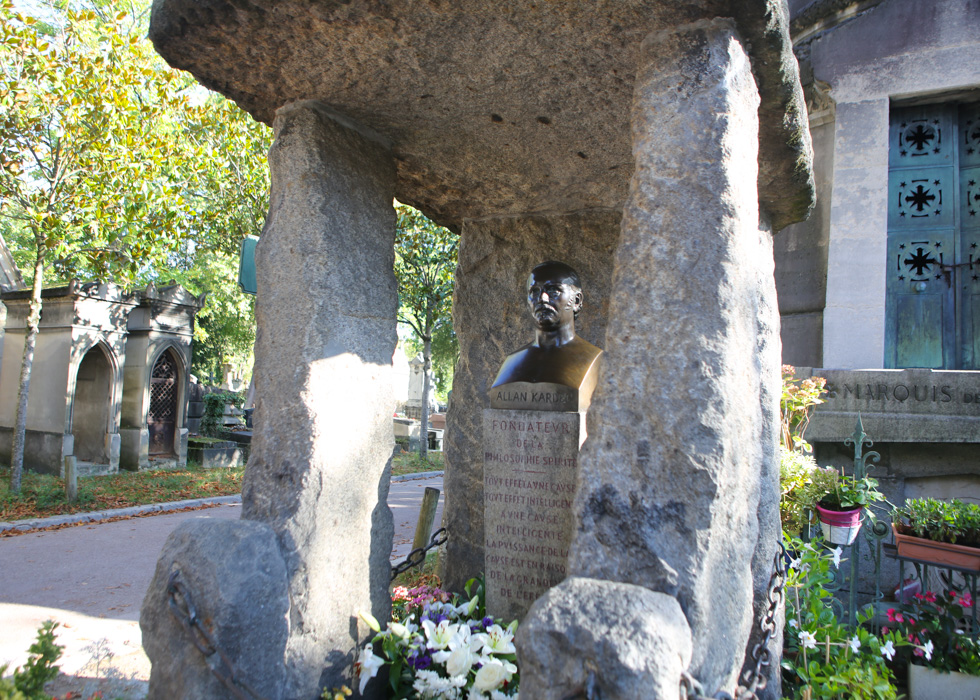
(425, 263)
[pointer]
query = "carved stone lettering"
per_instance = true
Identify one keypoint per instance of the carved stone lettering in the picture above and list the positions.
(530, 462)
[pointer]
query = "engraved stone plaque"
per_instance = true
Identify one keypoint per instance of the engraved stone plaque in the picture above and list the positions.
(530, 463)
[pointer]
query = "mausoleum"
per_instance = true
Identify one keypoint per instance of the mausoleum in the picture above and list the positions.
(109, 382)
(879, 290)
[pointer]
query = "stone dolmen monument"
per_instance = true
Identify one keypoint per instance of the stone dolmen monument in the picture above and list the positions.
(655, 146)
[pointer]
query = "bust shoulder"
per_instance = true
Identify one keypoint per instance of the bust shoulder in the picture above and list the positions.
(568, 364)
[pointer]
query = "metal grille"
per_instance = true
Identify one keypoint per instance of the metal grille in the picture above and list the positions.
(163, 390)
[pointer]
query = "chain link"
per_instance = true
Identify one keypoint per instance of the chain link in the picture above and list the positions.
(754, 679)
(417, 556)
(182, 608)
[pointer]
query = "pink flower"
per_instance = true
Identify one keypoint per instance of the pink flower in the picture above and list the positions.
(966, 601)
(899, 617)
(884, 630)
(930, 597)
(891, 614)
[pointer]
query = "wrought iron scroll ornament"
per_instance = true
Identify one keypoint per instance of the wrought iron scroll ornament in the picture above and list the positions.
(223, 668)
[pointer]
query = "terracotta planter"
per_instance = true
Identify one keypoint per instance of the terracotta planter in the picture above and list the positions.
(939, 553)
(927, 683)
(839, 526)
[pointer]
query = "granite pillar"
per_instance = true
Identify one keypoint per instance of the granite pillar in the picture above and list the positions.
(674, 489)
(325, 311)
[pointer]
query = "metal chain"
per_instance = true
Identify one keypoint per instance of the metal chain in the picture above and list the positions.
(224, 669)
(417, 556)
(754, 679)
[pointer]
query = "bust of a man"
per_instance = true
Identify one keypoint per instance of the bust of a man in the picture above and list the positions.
(557, 371)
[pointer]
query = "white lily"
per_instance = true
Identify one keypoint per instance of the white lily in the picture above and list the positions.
(438, 636)
(836, 554)
(888, 650)
(367, 666)
(497, 640)
(928, 650)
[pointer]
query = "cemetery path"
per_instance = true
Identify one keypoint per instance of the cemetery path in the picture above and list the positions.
(92, 579)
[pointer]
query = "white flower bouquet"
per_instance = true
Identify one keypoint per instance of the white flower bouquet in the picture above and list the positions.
(440, 648)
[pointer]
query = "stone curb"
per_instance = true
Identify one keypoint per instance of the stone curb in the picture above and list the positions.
(101, 515)
(416, 477)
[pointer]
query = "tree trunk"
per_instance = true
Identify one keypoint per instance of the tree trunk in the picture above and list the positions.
(426, 389)
(30, 338)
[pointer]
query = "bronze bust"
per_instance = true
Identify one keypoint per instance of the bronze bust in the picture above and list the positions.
(557, 371)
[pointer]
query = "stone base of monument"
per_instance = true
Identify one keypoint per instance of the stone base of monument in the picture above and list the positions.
(233, 576)
(603, 639)
(530, 464)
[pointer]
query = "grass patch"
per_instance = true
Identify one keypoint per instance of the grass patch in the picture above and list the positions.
(425, 575)
(42, 495)
(411, 463)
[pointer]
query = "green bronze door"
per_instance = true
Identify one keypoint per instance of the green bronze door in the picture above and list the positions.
(933, 271)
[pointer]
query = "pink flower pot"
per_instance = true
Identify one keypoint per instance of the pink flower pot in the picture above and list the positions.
(840, 526)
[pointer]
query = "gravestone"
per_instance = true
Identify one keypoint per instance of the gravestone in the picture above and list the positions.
(532, 433)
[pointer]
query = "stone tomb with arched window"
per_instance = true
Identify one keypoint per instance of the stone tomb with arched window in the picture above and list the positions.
(109, 381)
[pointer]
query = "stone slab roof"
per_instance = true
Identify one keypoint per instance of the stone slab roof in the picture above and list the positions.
(491, 107)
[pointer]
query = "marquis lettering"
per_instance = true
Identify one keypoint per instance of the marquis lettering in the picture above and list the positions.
(899, 392)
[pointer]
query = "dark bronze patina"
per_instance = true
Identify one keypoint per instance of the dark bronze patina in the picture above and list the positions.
(557, 371)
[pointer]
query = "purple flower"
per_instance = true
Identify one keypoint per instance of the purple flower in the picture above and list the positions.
(419, 661)
(487, 622)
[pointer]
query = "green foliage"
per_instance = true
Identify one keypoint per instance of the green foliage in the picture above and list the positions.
(954, 521)
(821, 657)
(802, 484)
(425, 263)
(797, 400)
(91, 169)
(214, 408)
(224, 331)
(850, 492)
(28, 682)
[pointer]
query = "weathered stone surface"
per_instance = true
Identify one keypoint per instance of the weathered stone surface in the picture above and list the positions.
(491, 109)
(670, 489)
(236, 579)
(633, 641)
(897, 405)
(325, 311)
(530, 468)
(491, 318)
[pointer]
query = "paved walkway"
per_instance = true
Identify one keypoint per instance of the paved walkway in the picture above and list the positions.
(92, 579)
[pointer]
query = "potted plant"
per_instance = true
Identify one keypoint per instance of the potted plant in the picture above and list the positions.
(840, 510)
(801, 484)
(943, 660)
(946, 533)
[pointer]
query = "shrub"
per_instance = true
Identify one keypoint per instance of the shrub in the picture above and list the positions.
(796, 402)
(214, 409)
(823, 658)
(28, 682)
